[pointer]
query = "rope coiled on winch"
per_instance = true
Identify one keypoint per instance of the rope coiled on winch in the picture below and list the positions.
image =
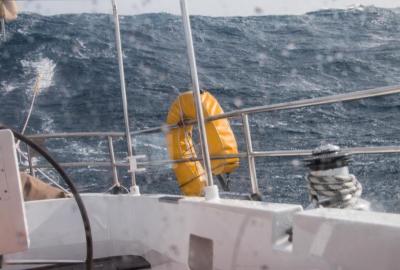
(334, 191)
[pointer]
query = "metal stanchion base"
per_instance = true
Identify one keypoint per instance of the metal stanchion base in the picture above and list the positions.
(224, 182)
(256, 197)
(135, 190)
(211, 192)
(117, 189)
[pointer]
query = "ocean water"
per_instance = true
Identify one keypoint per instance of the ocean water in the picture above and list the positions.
(243, 61)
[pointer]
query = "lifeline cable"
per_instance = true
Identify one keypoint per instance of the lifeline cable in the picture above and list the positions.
(74, 191)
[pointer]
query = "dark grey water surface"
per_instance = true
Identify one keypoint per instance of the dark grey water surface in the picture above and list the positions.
(243, 61)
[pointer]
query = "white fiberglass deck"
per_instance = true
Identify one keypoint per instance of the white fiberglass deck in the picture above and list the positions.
(174, 232)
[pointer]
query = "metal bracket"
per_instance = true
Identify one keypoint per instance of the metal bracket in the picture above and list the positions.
(133, 165)
(117, 189)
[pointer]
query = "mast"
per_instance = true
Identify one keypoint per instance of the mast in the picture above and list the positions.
(131, 157)
(211, 191)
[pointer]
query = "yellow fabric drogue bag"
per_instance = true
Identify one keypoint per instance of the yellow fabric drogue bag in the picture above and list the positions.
(221, 141)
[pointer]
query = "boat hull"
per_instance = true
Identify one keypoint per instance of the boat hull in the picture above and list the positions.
(191, 233)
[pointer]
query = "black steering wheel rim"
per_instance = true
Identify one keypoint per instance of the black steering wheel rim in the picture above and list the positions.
(74, 191)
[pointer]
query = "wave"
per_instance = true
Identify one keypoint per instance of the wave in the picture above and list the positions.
(43, 68)
(243, 61)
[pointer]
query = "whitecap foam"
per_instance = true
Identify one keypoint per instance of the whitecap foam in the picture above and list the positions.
(44, 67)
(47, 123)
(358, 7)
(7, 87)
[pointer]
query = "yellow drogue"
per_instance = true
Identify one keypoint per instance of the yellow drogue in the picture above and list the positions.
(221, 141)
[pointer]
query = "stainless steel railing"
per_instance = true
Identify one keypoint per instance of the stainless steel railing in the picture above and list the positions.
(250, 154)
(375, 92)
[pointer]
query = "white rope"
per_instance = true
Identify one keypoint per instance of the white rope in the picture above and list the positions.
(36, 91)
(334, 191)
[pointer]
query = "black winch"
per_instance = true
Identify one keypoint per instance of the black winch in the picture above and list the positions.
(327, 157)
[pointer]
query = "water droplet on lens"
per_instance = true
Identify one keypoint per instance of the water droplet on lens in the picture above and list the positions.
(285, 53)
(329, 59)
(238, 102)
(258, 10)
(291, 46)
(296, 163)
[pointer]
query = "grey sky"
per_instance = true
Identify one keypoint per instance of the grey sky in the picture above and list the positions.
(203, 7)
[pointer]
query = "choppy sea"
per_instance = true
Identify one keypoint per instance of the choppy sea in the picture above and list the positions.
(243, 61)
